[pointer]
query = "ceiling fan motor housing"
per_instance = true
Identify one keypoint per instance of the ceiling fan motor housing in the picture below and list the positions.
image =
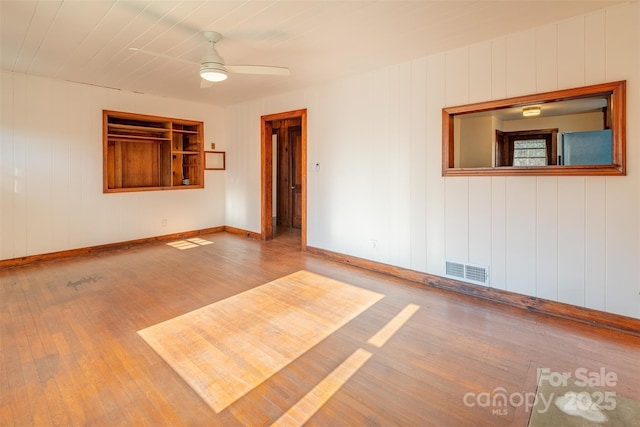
(212, 67)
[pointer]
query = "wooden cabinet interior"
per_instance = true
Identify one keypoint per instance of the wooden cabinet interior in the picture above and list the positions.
(142, 152)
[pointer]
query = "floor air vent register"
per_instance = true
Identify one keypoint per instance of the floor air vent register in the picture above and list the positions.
(471, 273)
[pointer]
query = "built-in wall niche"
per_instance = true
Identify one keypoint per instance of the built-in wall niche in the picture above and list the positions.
(142, 152)
(578, 131)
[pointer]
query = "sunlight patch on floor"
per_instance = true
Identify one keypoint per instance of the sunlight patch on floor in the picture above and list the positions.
(393, 326)
(199, 241)
(304, 409)
(300, 413)
(226, 349)
(189, 243)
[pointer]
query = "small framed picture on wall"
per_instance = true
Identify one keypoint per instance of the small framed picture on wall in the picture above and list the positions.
(214, 160)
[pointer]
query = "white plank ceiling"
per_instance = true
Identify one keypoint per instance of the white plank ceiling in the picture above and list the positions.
(88, 41)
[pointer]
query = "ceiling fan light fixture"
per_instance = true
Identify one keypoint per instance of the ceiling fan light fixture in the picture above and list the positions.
(213, 72)
(212, 67)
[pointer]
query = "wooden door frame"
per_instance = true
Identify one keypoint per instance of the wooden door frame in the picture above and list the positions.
(266, 171)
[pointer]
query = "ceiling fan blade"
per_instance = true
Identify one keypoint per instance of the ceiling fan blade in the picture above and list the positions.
(258, 69)
(161, 55)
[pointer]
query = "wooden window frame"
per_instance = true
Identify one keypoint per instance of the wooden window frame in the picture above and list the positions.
(505, 145)
(617, 95)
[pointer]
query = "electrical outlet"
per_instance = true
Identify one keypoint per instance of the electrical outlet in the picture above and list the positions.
(213, 145)
(163, 222)
(374, 243)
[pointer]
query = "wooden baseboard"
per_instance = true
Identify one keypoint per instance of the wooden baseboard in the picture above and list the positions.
(15, 262)
(539, 305)
(19, 261)
(241, 232)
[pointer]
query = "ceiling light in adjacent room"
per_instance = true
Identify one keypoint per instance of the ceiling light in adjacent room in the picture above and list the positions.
(531, 111)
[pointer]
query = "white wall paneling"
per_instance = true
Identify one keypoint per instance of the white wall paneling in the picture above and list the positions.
(571, 239)
(480, 221)
(622, 59)
(571, 53)
(480, 72)
(51, 153)
(547, 237)
(456, 219)
(547, 58)
(499, 68)
(38, 163)
(417, 158)
(498, 195)
(622, 248)
(521, 208)
(521, 63)
(375, 164)
(457, 76)
(595, 257)
(399, 202)
(435, 231)
(595, 44)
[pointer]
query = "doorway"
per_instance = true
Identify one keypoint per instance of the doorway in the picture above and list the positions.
(287, 172)
(284, 172)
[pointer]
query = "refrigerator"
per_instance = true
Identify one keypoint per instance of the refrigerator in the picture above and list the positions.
(587, 148)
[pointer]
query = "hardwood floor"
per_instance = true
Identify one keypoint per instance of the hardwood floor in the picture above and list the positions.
(70, 353)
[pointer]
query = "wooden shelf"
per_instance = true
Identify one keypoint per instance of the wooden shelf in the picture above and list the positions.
(146, 153)
(139, 128)
(184, 131)
(139, 137)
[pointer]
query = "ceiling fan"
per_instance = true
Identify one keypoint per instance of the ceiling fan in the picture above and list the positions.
(212, 66)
